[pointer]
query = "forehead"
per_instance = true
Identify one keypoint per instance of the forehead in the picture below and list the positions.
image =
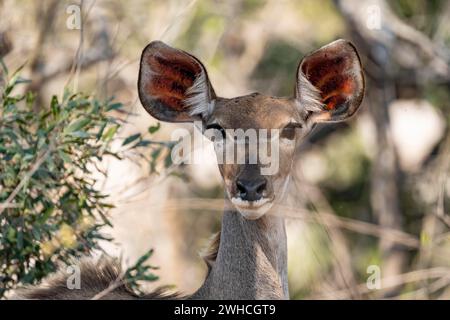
(254, 111)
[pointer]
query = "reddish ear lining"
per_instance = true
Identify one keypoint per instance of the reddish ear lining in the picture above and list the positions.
(335, 71)
(331, 78)
(319, 69)
(175, 67)
(332, 102)
(169, 81)
(173, 76)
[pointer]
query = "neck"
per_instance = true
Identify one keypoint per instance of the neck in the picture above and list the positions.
(251, 261)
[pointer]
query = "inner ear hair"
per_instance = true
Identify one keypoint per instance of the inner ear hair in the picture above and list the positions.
(199, 99)
(308, 96)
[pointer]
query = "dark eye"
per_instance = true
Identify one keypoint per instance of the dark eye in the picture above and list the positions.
(288, 132)
(216, 126)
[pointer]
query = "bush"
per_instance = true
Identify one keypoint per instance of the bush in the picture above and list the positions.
(50, 210)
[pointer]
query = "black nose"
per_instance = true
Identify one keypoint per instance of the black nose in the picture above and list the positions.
(251, 190)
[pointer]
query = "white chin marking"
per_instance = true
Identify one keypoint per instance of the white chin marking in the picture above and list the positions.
(252, 210)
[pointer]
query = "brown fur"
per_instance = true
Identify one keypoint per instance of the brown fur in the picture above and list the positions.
(95, 278)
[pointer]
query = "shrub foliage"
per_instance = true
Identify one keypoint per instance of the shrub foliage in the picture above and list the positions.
(50, 208)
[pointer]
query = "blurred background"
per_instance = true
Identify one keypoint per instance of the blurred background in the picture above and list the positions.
(375, 191)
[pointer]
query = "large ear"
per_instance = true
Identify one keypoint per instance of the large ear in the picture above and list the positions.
(173, 85)
(330, 82)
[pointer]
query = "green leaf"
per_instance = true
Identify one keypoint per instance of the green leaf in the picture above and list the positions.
(153, 129)
(20, 80)
(148, 277)
(155, 154)
(101, 130)
(80, 134)
(54, 105)
(11, 234)
(110, 133)
(168, 161)
(144, 258)
(46, 214)
(4, 67)
(29, 98)
(64, 156)
(143, 143)
(96, 106)
(77, 125)
(131, 139)
(114, 106)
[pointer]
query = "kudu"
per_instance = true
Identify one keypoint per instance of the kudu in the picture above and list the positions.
(249, 259)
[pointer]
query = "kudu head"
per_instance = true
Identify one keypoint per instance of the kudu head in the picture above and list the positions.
(174, 86)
